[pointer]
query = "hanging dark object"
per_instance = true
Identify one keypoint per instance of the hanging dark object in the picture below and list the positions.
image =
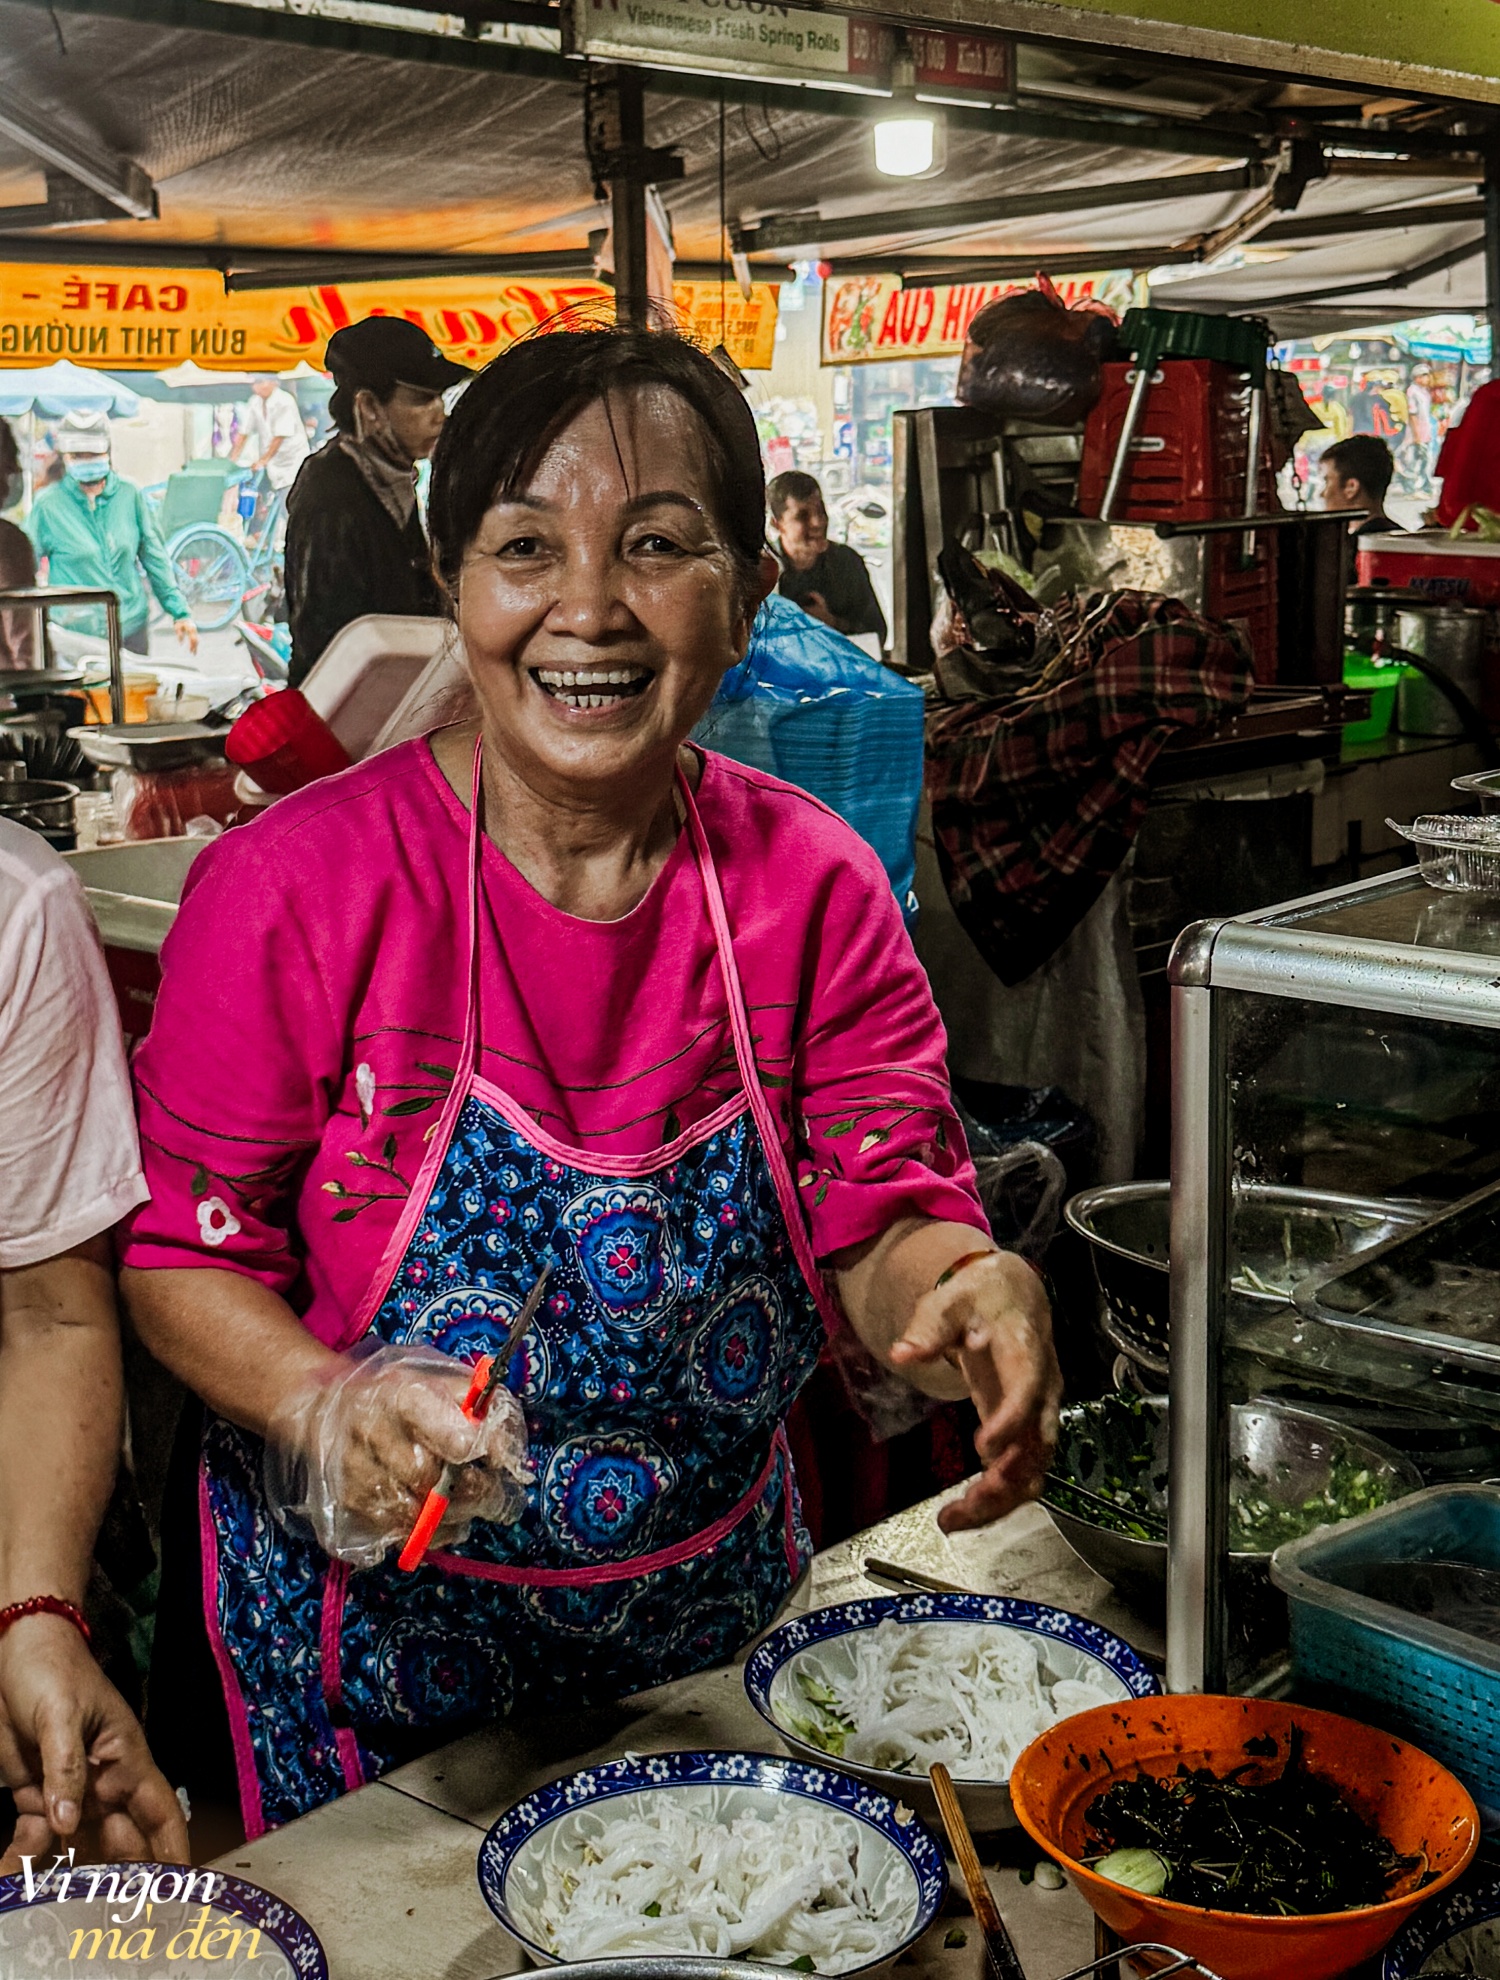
(1029, 356)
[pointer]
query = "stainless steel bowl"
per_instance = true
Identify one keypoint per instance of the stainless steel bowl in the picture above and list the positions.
(1280, 1235)
(1288, 1452)
(40, 803)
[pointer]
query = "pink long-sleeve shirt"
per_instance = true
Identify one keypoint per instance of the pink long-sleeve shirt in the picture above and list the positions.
(313, 1001)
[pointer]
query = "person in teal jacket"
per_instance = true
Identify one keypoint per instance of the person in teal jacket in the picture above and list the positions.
(93, 529)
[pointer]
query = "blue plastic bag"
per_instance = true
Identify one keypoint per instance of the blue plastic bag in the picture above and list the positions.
(809, 706)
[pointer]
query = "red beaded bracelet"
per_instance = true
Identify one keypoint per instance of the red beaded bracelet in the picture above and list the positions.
(46, 1605)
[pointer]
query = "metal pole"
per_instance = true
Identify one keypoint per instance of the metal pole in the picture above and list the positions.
(1198, 1478)
(1252, 469)
(627, 191)
(1144, 367)
(116, 659)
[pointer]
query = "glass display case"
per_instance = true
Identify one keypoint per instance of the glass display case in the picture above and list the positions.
(1335, 1226)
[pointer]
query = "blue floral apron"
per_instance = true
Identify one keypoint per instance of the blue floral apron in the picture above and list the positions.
(683, 1313)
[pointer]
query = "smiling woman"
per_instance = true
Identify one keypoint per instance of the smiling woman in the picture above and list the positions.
(548, 991)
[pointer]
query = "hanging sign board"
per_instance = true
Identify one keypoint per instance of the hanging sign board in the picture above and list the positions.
(141, 319)
(871, 319)
(784, 44)
(1448, 47)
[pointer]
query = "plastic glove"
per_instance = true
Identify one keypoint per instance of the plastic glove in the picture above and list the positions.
(350, 1461)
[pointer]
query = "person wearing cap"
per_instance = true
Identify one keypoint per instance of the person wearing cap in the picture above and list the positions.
(355, 541)
(93, 529)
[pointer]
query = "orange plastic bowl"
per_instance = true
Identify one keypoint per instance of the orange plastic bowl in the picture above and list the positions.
(1404, 1793)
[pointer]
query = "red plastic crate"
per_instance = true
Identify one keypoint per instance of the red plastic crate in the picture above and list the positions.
(1187, 461)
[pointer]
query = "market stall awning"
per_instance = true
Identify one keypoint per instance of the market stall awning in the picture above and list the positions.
(62, 388)
(287, 148)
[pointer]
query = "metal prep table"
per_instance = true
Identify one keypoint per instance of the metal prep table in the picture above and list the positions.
(386, 1876)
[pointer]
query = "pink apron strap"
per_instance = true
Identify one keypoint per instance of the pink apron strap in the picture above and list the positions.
(744, 1051)
(236, 1710)
(330, 1657)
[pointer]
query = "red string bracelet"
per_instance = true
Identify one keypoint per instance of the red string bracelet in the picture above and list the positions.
(46, 1605)
(969, 1258)
(973, 1257)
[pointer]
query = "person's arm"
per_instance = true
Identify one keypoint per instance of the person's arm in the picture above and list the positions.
(234, 1103)
(986, 1332)
(158, 567)
(70, 1747)
(328, 575)
(271, 450)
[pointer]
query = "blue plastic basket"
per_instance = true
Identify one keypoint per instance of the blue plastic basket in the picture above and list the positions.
(811, 707)
(1433, 1684)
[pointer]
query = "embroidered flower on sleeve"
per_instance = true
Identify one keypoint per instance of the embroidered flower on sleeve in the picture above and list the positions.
(216, 1221)
(364, 1090)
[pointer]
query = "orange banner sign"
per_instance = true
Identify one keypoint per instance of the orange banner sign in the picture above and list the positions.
(871, 319)
(137, 319)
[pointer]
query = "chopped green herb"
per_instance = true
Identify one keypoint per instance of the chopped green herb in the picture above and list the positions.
(803, 1963)
(954, 1937)
(652, 1910)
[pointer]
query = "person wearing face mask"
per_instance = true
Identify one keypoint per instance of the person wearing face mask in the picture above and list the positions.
(93, 529)
(355, 541)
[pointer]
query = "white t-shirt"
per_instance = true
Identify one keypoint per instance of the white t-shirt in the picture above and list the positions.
(278, 417)
(70, 1162)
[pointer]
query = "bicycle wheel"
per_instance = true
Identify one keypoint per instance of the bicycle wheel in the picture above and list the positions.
(211, 573)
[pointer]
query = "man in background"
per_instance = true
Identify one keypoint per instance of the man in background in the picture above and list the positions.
(1355, 474)
(828, 580)
(276, 431)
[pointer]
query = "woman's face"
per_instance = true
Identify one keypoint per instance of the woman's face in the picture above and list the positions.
(407, 423)
(601, 606)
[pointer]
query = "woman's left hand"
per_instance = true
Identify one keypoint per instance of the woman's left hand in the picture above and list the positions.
(992, 1322)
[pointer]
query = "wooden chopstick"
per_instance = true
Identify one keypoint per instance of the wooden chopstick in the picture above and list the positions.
(906, 1577)
(1004, 1962)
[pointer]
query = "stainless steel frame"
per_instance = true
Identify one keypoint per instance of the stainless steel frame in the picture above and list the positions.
(44, 598)
(1271, 953)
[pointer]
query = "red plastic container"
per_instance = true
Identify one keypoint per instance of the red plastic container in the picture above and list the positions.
(1458, 571)
(1187, 462)
(284, 743)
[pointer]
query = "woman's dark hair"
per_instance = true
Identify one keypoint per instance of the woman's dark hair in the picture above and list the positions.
(500, 429)
(341, 405)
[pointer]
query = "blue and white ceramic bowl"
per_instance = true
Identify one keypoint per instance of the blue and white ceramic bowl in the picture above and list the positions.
(1071, 1647)
(1469, 1913)
(895, 1846)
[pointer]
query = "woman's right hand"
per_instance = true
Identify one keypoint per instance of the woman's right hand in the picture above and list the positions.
(353, 1456)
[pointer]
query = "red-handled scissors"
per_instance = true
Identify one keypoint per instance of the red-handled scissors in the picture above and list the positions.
(488, 1373)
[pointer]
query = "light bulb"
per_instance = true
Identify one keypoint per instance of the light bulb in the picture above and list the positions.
(905, 147)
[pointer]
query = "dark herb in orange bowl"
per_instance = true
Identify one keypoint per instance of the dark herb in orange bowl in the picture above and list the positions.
(1182, 1798)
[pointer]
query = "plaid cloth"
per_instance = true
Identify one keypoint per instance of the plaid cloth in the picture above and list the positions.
(1037, 798)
